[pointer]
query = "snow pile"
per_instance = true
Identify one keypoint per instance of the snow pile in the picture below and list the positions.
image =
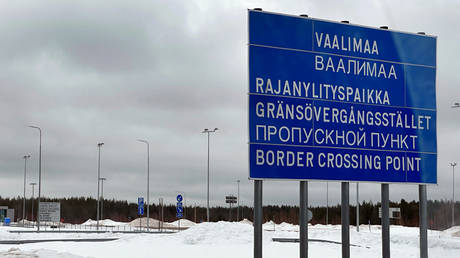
(183, 223)
(217, 233)
(142, 222)
(111, 223)
(104, 222)
(89, 222)
(453, 231)
(287, 227)
(246, 221)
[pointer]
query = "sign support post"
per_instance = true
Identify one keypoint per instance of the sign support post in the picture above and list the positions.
(423, 221)
(303, 219)
(345, 217)
(357, 207)
(258, 218)
(385, 188)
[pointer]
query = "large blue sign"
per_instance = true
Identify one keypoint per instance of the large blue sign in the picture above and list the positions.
(335, 101)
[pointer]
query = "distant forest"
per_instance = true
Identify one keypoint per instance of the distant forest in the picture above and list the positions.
(77, 210)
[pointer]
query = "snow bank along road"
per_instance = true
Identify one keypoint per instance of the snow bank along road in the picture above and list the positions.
(232, 239)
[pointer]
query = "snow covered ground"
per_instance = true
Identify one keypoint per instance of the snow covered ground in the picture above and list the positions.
(232, 239)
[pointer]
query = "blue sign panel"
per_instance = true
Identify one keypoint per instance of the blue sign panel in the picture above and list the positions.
(140, 206)
(179, 210)
(179, 207)
(335, 101)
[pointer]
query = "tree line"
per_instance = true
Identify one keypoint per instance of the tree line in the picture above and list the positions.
(77, 210)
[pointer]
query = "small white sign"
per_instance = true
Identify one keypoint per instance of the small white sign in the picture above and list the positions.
(50, 211)
(394, 213)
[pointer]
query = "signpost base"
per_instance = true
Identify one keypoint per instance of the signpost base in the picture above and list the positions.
(258, 218)
(423, 221)
(303, 219)
(385, 188)
(345, 216)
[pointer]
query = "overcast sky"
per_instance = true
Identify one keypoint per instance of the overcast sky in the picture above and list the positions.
(117, 71)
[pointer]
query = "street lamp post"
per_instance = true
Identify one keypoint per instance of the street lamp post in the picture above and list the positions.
(148, 181)
(207, 131)
(455, 105)
(24, 202)
(99, 145)
(453, 164)
(102, 196)
(39, 174)
(33, 191)
(238, 200)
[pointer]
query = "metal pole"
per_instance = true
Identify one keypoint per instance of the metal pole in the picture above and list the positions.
(258, 218)
(385, 188)
(98, 179)
(102, 199)
(148, 181)
(345, 217)
(303, 219)
(238, 200)
(102, 196)
(207, 195)
(24, 202)
(207, 131)
(159, 214)
(453, 164)
(39, 174)
(162, 214)
(327, 203)
(230, 212)
(357, 207)
(148, 187)
(33, 191)
(423, 221)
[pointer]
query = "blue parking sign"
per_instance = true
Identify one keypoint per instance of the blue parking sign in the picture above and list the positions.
(140, 206)
(179, 207)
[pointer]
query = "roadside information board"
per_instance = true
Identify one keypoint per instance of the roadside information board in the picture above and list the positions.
(50, 212)
(336, 101)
